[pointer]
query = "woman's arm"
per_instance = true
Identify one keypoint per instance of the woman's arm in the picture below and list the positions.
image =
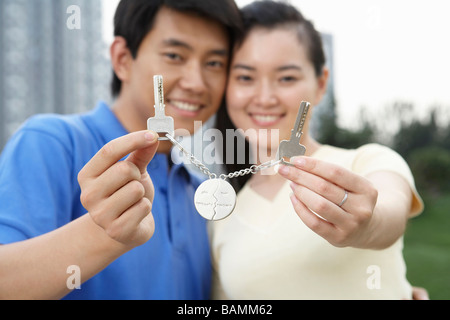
(373, 215)
(391, 212)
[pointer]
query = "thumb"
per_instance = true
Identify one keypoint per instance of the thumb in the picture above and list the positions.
(142, 157)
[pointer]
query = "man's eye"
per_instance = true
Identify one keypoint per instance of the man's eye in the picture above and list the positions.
(215, 64)
(173, 56)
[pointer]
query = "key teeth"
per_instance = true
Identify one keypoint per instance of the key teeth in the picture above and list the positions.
(158, 90)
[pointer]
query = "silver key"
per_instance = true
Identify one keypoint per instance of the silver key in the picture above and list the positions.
(160, 123)
(293, 148)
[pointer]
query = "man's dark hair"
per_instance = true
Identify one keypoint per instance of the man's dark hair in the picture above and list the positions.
(134, 19)
(268, 15)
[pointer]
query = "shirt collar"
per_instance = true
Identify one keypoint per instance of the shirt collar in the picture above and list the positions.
(107, 123)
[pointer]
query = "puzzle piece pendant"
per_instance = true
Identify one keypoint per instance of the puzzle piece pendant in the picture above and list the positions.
(215, 199)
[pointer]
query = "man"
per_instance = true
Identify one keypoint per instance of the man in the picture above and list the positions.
(135, 233)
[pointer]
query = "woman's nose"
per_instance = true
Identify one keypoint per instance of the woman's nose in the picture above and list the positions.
(265, 95)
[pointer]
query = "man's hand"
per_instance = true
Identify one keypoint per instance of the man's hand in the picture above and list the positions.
(119, 194)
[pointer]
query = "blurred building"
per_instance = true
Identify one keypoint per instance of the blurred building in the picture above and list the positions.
(52, 59)
(328, 104)
(49, 63)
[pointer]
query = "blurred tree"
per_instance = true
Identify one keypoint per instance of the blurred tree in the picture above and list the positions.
(444, 138)
(426, 147)
(422, 143)
(431, 168)
(330, 133)
(416, 134)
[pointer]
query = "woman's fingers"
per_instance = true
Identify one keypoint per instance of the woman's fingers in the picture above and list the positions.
(331, 200)
(327, 189)
(320, 226)
(319, 205)
(335, 174)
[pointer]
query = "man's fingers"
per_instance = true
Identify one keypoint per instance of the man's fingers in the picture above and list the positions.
(112, 207)
(115, 177)
(142, 157)
(136, 219)
(117, 149)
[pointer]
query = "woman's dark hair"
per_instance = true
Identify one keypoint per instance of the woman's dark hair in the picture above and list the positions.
(270, 15)
(134, 19)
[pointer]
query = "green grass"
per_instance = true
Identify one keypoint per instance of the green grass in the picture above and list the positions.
(427, 248)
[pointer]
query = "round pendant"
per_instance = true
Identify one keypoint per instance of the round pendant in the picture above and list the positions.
(215, 199)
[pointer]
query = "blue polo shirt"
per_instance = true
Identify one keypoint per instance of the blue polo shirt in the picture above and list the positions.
(39, 192)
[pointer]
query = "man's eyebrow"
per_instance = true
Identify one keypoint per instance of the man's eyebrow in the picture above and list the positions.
(178, 43)
(220, 52)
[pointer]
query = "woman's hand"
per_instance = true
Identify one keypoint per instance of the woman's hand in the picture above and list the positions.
(333, 202)
(420, 294)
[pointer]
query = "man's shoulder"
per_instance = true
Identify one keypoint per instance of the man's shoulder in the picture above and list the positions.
(74, 133)
(54, 124)
(92, 127)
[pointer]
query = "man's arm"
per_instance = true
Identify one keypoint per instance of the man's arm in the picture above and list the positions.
(37, 268)
(118, 196)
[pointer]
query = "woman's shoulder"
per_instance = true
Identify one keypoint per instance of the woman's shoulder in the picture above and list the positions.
(368, 150)
(365, 158)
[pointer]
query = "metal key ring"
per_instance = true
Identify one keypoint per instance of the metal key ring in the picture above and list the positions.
(286, 163)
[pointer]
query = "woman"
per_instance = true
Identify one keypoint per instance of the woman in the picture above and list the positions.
(331, 226)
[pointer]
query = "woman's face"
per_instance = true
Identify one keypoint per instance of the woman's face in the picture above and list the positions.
(270, 76)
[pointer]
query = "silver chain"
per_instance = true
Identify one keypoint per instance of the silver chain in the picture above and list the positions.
(204, 169)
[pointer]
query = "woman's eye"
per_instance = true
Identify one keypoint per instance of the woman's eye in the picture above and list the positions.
(288, 79)
(244, 78)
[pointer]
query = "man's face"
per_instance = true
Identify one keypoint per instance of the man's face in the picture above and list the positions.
(191, 53)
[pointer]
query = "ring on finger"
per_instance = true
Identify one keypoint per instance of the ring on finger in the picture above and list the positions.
(344, 199)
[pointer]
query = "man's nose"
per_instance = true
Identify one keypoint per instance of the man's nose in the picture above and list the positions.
(193, 78)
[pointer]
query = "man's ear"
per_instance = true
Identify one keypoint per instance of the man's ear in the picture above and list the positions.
(121, 58)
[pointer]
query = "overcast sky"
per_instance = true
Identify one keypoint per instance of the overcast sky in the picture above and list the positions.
(384, 50)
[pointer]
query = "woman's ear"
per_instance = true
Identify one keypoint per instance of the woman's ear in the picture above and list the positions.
(121, 58)
(322, 84)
